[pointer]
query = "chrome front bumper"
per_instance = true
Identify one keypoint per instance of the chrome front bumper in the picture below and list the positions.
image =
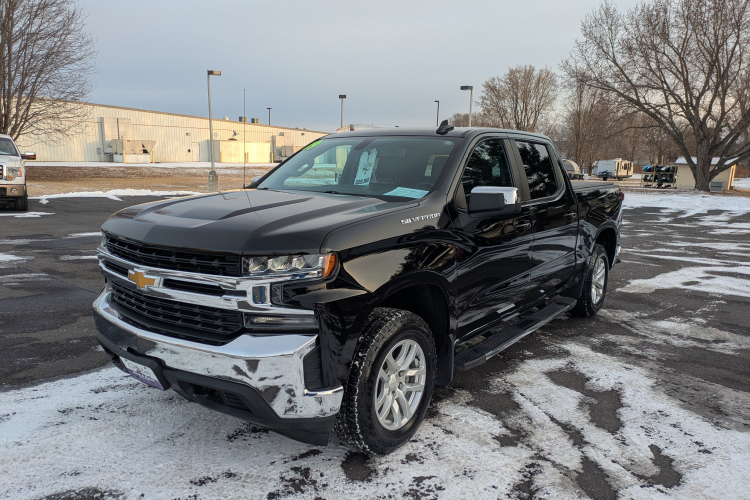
(270, 364)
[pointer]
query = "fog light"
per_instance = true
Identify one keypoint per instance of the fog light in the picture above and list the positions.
(280, 323)
(14, 191)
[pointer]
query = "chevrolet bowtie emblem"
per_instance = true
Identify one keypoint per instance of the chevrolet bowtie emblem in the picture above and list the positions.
(140, 280)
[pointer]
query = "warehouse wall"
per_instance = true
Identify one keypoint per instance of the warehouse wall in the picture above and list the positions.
(174, 135)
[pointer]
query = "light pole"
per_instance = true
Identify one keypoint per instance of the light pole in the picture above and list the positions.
(342, 97)
(437, 119)
(471, 98)
(213, 178)
(269, 116)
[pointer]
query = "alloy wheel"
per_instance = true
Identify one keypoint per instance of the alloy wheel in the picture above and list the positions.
(400, 384)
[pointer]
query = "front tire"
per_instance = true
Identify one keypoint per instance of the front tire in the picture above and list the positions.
(21, 204)
(390, 384)
(595, 284)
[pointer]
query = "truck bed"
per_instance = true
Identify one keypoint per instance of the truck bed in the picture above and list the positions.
(586, 185)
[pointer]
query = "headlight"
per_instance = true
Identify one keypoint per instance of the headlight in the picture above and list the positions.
(306, 266)
(103, 243)
(13, 191)
(13, 172)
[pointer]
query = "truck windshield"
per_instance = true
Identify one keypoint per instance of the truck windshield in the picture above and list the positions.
(7, 147)
(402, 167)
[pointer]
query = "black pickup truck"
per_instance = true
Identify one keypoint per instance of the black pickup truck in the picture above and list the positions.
(336, 291)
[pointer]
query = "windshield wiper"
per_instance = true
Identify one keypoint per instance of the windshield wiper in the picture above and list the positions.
(332, 192)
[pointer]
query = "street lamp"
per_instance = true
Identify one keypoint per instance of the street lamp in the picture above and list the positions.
(437, 119)
(471, 98)
(342, 97)
(213, 178)
(269, 116)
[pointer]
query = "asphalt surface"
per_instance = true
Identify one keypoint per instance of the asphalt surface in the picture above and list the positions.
(47, 286)
(648, 392)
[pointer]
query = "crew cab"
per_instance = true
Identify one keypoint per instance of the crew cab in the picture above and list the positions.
(13, 174)
(336, 291)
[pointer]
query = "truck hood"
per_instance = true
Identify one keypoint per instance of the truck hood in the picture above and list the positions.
(257, 222)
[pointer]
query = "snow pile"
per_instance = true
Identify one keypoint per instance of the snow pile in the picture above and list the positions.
(112, 194)
(742, 184)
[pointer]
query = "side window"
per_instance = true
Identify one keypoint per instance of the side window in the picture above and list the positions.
(487, 166)
(540, 172)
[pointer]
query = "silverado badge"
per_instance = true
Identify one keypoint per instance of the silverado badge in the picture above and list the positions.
(140, 280)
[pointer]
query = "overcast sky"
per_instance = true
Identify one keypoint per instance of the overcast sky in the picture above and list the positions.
(392, 59)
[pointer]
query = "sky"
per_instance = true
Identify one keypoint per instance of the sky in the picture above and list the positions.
(392, 59)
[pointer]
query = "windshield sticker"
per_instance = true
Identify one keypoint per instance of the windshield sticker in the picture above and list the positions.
(406, 193)
(365, 168)
(420, 218)
(311, 145)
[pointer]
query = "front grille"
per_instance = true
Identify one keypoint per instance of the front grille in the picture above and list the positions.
(191, 320)
(189, 286)
(3, 191)
(115, 268)
(174, 259)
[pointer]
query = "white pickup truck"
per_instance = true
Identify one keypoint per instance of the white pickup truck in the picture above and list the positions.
(13, 174)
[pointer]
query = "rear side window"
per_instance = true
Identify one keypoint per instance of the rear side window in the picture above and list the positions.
(487, 166)
(540, 172)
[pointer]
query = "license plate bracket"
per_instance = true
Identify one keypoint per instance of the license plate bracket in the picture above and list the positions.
(146, 371)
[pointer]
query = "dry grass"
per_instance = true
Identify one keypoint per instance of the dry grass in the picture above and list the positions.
(55, 180)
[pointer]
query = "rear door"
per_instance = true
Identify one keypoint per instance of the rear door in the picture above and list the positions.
(554, 213)
(494, 252)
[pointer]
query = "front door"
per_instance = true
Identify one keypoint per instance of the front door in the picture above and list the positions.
(555, 216)
(494, 252)
(195, 149)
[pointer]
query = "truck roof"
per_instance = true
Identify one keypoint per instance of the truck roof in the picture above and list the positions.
(429, 132)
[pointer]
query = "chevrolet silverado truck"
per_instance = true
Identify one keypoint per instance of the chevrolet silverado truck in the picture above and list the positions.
(335, 292)
(13, 174)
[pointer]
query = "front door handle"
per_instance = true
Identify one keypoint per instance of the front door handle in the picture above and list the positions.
(570, 216)
(523, 227)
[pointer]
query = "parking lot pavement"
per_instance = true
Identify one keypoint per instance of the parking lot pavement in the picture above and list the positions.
(48, 279)
(649, 399)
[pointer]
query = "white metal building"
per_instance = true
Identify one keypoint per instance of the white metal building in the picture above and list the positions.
(177, 138)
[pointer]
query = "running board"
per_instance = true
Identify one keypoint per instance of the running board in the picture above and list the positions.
(484, 350)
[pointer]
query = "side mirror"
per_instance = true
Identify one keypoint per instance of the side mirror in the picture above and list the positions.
(494, 200)
(253, 183)
(28, 155)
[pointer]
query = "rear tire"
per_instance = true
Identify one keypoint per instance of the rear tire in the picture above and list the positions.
(368, 419)
(21, 204)
(594, 285)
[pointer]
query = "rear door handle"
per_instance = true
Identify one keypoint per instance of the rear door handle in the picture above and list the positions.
(570, 216)
(523, 227)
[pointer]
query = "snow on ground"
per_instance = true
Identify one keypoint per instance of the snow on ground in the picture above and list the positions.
(190, 164)
(689, 202)
(112, 194)
(24, 215)
(742, 184)
(139, 440)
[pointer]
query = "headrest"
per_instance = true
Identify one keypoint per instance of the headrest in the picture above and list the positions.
(389, 167)
(437, 166)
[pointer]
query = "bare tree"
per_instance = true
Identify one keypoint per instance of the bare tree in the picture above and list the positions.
(478, 119)
(683, 63)
(586, 125)
(521, 99)
(46, 63)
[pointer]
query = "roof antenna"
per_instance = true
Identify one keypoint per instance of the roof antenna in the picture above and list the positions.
(444, 128)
